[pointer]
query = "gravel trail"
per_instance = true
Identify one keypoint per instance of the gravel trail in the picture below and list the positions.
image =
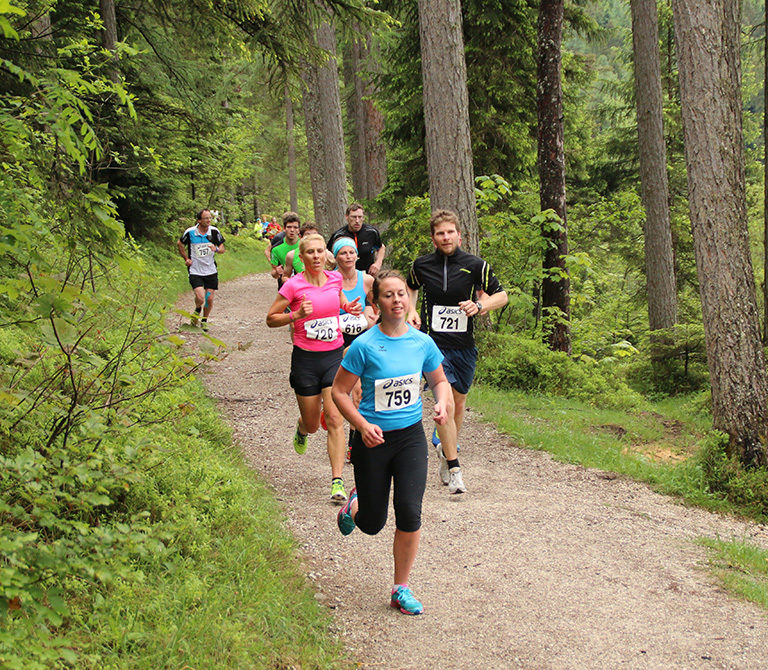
(540, 565)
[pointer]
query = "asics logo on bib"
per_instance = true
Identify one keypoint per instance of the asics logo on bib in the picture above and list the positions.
(400, 381)
(450, 310)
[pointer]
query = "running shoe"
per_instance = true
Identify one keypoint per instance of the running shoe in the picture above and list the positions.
(204, 325)
(195, 318)
(445, 476)
(344, 518)
(404, 600)
(456, 482)
(299, 442)
(338, 494)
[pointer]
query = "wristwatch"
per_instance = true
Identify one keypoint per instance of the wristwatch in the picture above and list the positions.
(479, 306)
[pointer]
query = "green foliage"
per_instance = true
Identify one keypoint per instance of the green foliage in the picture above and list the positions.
(673, 361)
(517, 362)
(408, 237)
(725, 477)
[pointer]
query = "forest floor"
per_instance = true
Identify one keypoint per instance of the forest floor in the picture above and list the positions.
(540, 565)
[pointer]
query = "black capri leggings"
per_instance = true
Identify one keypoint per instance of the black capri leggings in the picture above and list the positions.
(402, 459)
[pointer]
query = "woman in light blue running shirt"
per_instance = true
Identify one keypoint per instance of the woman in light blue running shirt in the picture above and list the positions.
(389, 446)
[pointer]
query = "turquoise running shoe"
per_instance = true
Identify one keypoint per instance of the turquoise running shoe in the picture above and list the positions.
(404, 600)
(344, 518)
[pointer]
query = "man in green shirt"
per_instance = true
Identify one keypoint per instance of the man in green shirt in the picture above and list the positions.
(291, 226)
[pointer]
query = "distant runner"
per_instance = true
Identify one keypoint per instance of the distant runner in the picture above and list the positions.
(451, 278)
(291, 228)
(198, 247)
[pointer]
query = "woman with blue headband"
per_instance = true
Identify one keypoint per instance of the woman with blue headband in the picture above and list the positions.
(356, 284)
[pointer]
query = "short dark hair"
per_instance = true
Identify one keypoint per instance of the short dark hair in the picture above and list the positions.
(352, 207)
(308, 225)
(443, 216)
(200, 213)
(290, 216)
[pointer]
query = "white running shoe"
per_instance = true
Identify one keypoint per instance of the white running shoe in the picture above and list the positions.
(456, 483)
(445, 476)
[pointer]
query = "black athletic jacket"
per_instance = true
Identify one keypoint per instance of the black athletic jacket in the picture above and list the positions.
(448, 280)
(368, 243)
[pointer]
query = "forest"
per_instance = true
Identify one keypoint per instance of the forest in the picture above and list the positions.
(612, 176)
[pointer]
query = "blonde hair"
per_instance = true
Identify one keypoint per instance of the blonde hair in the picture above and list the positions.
(312, 237)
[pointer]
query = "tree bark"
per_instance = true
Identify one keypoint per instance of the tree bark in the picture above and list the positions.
(313, 129)
(446, 115)
(707, 35)
(657, 233)
(291, 141)
(109, 33)
(368, 153)
(356, 120)
(765, 179)
(322, 106)
(333, 131)
(555, 287)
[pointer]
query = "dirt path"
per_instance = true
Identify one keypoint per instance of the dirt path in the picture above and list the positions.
(540, 565)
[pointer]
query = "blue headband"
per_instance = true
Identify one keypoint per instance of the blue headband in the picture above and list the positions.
(342, 242)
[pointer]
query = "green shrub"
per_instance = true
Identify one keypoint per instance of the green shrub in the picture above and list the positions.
(672, 362)
(518, 362)
(725, 477)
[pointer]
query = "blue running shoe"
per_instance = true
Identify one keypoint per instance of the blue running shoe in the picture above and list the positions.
(404, 600)
(344, 519)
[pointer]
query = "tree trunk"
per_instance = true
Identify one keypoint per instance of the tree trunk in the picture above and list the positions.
(765, 179)
(657, 234)
(373, 126)
(446, 115)
(356, 119)
(322, 105)
(312, 126)
(367, 145)
(707, 36)
(333, 131)
(291, 141)
(109, 33)
(555, 286)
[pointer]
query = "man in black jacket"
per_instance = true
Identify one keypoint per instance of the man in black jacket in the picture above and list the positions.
(370, 249)
(452, 279)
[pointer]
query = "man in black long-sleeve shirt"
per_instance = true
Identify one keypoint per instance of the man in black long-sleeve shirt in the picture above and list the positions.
(451, 279)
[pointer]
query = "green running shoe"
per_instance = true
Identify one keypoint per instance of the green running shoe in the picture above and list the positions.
(344, 518)
(299, 442)
(338, 494)
(404, 600)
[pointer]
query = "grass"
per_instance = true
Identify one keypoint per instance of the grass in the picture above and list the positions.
(658, 444)
(740, 567)
(228, 591)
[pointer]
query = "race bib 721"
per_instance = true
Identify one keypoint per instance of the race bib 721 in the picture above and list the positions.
(448, 319)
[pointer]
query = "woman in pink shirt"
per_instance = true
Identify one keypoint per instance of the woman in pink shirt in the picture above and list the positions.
(311, 301)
